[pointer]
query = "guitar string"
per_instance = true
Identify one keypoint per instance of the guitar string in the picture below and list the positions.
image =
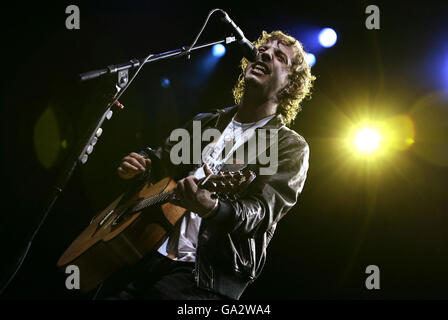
(153, 200)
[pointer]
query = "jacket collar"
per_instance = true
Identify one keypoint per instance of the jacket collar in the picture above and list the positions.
(227, 114)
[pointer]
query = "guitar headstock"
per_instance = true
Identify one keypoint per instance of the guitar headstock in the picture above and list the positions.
(228, 181)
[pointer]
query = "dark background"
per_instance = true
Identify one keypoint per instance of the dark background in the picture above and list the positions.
(348, 217)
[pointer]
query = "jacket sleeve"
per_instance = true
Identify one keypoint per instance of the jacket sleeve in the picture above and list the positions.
(269, 198)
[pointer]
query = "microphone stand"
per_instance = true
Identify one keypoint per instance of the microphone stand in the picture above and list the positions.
(82, 156)
(135, 63)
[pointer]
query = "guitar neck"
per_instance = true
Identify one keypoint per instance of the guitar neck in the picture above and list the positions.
(157, 199)
(225, 182)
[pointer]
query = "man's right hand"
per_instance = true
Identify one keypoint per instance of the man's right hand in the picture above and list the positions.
(132, 165)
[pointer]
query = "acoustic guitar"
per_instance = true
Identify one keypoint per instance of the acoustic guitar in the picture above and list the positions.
(135, 223)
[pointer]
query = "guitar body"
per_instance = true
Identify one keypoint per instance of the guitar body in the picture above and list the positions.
(119, 237)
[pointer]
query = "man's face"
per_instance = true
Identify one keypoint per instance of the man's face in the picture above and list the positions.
(269, 73)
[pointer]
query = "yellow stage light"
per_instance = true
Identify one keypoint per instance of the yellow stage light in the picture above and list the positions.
(367, 140)
(375, 139)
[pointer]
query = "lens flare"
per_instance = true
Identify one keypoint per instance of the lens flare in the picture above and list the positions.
(47, 142)
(399, 132)
(430, 115)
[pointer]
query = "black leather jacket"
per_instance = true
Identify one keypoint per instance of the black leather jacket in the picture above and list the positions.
(232, 243)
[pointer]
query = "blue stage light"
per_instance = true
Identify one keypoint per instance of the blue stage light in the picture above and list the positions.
(165, 82)
(218, 50)
(310, 59)
(327, 37)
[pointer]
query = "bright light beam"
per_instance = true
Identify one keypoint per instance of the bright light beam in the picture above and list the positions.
(367, 140)
(218, 50)
(310, 59)
(165, 82)
(327, 37)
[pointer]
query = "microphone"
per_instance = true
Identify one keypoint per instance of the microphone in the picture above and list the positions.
(248, 49)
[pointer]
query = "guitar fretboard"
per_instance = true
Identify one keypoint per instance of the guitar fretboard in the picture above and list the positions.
(161, 197)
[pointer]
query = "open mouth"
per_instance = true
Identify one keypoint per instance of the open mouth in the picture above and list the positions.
(260, 67)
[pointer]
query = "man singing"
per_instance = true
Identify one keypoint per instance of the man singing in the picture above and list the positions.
(219, 246)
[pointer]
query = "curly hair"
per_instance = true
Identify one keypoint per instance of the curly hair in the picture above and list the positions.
(300, 78)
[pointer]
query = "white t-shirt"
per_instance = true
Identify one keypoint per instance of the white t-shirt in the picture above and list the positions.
(183, 240)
